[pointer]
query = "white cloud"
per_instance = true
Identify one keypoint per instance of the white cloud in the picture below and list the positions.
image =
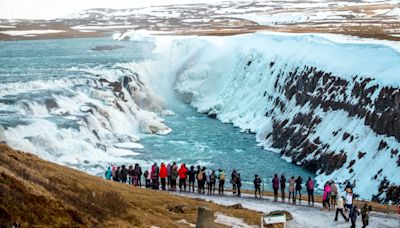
(50, 9)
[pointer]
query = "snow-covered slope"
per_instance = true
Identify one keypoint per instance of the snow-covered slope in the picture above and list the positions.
(330, 107)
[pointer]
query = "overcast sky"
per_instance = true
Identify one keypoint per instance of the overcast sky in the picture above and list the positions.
(49, 9)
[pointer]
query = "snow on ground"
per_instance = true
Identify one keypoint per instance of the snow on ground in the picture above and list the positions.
(303, 215)
(30, 32)
(271, 19)
(103, 27)
(231, 221)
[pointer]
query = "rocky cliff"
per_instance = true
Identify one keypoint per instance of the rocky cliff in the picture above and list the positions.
(331, 107)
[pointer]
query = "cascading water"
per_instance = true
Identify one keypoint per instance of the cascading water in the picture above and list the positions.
(88, 109)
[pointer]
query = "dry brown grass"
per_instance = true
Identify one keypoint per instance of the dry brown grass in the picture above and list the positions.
(34, 192)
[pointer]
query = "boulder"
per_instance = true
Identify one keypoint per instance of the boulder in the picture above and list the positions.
(179, 208)
(205, 218)
(282, 212)
(236, 206)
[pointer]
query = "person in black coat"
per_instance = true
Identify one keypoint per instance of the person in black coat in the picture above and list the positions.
(299, 181)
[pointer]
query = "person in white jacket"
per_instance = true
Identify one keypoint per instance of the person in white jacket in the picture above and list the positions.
(349, 201)
(339, 208)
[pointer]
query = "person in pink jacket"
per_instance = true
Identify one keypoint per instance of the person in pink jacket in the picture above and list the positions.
(326, 196)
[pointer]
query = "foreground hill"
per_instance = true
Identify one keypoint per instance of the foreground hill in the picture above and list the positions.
(37, 192)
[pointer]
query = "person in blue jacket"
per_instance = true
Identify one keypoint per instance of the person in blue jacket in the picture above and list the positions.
(108, 173)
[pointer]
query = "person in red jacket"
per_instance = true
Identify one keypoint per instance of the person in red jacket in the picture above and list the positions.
(182, 172)
(163, 175)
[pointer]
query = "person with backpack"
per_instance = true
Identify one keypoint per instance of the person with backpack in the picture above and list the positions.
(275, 186)
(197, 174)
(354, 213)
(292, 182)
(334, 192)
(108, 173)
(234, 177)
(299, 181)
(174, 176)
(257, 185)
(283, 186)
(201, 180)
(339, 208)
(221, 183)
(192, 178)
(154, 176)
(123, 174)
(310, 191)
(182, 172)
(326, 196)
(213, 178)
(163, 176)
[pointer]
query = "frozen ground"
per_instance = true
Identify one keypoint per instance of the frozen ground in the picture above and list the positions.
(303, 215)
(378, 19)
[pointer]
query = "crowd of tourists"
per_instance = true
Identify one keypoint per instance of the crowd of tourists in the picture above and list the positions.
(171, 177)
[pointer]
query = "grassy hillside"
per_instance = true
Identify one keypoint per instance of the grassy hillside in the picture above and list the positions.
(37, 192)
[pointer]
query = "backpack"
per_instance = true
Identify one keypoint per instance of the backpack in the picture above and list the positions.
(200, 176)
(222, 176)
(310, 184)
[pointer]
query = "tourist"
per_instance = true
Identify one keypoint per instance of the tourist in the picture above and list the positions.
(239, 184)
(130, 174)
(140, 172)
(123, 174)
(108, 173)
(275, 186)
(154, 176)
(114, 172)
(365, 215)
(147, 178)
(221, 178)
(292, 181)
(192, 178)
(310, 191)
(201, 180)
(174, 176)
(198, 181)
(213, 178)
(163, 176)
(257, 185)
(339, 208)
(208, 181)
(326, 196)
(182, 172)
(349, 201)
(234, 177)
(354, 213)
(169, 167)
(283, 186)
(299, 181)
(136, 173)
(334, 192)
